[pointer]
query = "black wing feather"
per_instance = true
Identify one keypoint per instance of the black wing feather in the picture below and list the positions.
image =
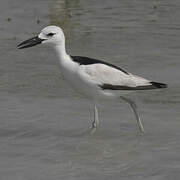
(87, 61)
(153, 85)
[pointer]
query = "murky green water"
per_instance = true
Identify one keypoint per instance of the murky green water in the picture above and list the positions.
(43, 123)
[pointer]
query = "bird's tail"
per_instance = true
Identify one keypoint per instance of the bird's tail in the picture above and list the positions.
(159, 85)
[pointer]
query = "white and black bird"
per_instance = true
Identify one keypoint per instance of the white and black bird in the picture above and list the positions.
(93, 78)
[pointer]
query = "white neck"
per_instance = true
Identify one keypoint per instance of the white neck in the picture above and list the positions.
(61, 51)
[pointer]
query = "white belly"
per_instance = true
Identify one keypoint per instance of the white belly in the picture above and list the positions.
(71, 74)
(78, 83)
(82, 84)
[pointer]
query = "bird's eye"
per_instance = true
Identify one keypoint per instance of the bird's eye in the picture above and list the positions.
(50, 34)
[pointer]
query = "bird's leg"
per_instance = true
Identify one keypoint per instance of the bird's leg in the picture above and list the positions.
(95, 121)
(134, 108)
(96, 118)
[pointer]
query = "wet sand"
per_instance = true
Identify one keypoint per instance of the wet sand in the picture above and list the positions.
(44, 124)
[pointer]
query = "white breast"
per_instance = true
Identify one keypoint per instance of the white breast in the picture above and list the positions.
(78, 79)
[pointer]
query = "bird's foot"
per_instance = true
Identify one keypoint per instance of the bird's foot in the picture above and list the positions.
(93, 130)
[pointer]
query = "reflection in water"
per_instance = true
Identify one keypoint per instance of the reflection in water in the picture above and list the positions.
(61, 15)
(69, 16)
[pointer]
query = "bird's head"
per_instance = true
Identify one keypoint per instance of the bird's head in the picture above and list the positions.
(50, 35)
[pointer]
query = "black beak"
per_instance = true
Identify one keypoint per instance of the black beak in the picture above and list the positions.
(30, 42)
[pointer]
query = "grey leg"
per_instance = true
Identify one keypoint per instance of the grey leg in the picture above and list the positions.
(96, 120)
(134, 108)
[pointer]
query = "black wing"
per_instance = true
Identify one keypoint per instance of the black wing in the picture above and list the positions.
(87, 61)
(153, 85)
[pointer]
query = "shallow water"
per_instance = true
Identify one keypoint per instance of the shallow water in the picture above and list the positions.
(44, 134)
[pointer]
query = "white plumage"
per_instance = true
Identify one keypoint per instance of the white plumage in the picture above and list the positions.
(103, 74)
(94, 78)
